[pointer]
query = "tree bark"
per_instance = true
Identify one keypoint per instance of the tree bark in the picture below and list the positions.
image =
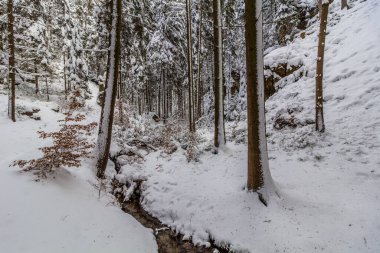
(36, 76)
(319, 117)
(47, 88)
(159, 94)
(64, 73)
(199, 83)
(164, 97)
(219, 135)
(344, 4)
(108, 108)
(258, 166)
(190, 66)
(12, 67)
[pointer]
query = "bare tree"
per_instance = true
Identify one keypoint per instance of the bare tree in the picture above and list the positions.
(259, 177)
(319, 116)
(108, 107)
(12, 68)
(219, 135)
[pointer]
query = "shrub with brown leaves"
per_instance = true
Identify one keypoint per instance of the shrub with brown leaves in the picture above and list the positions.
(70, 143)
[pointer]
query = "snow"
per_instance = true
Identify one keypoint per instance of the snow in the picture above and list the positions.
(329, 183)
(64, 214)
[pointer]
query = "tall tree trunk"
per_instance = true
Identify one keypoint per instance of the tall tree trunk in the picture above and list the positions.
(164, 97)
(259, 177)
(139, 103)
(47, 88)
(120, 97)
(64, 73)
(36, 76)
(319, 117)
(12, 67)
(159, 95)
(180, 101)
(219, 135)
(199, 83)
(106, 119)
(190, 66)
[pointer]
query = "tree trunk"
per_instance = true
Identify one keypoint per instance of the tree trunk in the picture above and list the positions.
(64, 73)
(319, 117)
(180, 100)
(199, 84)
(164, 95)
(36, 76)
(159, 96)
(344, 4)
(259, 176)
(106, 119)
(47, 89)
(219, 135)
(12, 67)
(190, 66)
(120, 97)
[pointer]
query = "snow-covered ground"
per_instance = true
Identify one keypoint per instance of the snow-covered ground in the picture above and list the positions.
(63, 214)
(329, 183)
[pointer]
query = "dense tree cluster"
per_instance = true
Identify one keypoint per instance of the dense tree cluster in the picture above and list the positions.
(176, 58)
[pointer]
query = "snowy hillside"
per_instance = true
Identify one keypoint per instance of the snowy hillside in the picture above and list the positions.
(329, 183)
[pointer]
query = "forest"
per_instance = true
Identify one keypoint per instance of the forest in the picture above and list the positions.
(177, 126)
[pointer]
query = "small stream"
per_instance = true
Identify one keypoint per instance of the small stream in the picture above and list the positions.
(167, 240)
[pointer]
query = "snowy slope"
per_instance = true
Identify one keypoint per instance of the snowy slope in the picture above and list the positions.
(62, 214)
(329, 183)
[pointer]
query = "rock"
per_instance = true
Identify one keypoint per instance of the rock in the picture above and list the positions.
(275, 74)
